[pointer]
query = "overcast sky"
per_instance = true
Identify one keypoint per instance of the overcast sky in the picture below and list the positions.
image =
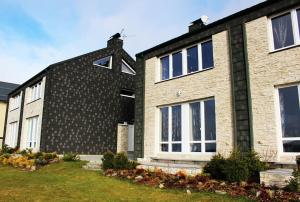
(35, 33)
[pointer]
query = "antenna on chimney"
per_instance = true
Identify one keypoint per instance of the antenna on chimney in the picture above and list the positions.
(125, 35)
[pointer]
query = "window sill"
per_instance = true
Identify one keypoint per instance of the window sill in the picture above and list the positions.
(33, 101)
(285, 48)
(14, 109)
(177, 77)
(179, 156)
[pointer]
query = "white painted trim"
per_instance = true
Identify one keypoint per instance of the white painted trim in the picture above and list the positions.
(134, 73)
(295, 28)
(130, 96)
(280, 137)
(110, 62)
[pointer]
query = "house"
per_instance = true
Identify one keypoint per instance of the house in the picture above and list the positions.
(231, 84)
(5, 89)
(83, 105)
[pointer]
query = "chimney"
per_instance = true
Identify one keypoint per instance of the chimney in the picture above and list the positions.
(115, 41)
(196, 25)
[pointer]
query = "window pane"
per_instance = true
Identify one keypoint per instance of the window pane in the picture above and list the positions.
(195, 121)
(298, 14)
(176, 147)
(291, 146)
(164, 67)
(210, 120)
(103, 62)
(282, 31)
(176, 123)
(164, 124)
(290, 111)
(192, 59)
(210, 147)
(196, 147)
(164, 147)
(177, 64)
(207, 55)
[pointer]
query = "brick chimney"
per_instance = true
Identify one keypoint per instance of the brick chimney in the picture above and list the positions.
(115, 41)
(196, 25)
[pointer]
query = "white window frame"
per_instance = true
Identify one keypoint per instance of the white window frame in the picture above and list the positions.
(110, 62)
(184, 61)
(32, 132)
(295, 28)
(35, 92)
(15, 102)
(12, 139)
(186, 130)
(203, 141)
(279, 128)
(134, 73)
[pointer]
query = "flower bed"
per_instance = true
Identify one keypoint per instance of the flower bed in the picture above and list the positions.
(181, 180)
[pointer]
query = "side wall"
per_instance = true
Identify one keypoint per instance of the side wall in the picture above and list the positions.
(2, 120)
(211, 83)
(267, 71)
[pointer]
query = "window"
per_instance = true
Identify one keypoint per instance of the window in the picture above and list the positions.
(285, 30)
(15, 102)
(126, 68)
(12, 138)
(203, 126)
(32, 132)
(127, 93)
(198, 137)
(289, 101)
(35, 92)
(198, 57)
(104, 62)
(177, 64)
(165, 68)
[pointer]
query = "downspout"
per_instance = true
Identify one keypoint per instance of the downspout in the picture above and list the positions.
(248, 89)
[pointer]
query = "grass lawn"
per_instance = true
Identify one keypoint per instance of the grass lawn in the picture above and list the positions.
(69, 182)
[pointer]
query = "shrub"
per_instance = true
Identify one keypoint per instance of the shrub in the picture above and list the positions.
(7, 150)
(121, 161)
(50, 156)
(293, 185)
(238, 167)
(132, 165)
(70, 157)
(108, 160)
(216, 167)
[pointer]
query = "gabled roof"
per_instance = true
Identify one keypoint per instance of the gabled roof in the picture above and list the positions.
(5, 89)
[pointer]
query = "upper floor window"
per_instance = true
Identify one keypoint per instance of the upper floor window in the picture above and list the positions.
(35, 92)
(126, 68)
(15, 102)
(188, 60)
(286, 30)
(289, 101)
(127, 93)
(104, 62)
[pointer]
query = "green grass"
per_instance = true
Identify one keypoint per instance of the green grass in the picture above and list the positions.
(69, 182)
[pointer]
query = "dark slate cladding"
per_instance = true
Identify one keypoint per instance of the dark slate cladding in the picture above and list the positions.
(234, 24)
(83, 104)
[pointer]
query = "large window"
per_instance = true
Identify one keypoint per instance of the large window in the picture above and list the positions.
(196, 58)
(12, 137)
(200, 134)
(15, 102)
(285, 30)
(290, 118)
(32, 134)
(35, 92)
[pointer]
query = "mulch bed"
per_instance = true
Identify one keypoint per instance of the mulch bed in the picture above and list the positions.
(181, 180)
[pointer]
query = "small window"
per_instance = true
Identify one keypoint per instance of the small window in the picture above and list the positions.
(12, 135)
(127, 93)
(207, 55)
(192, 59)
(282, 31)
(104, 62)
(15, 102)
(126, 68)
(289, 100)
(164, 68)
(177, 64)
(35, 92)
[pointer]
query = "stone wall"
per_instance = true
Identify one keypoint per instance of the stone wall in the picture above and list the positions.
(267, 71)
(122, 142)
(215, 83)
